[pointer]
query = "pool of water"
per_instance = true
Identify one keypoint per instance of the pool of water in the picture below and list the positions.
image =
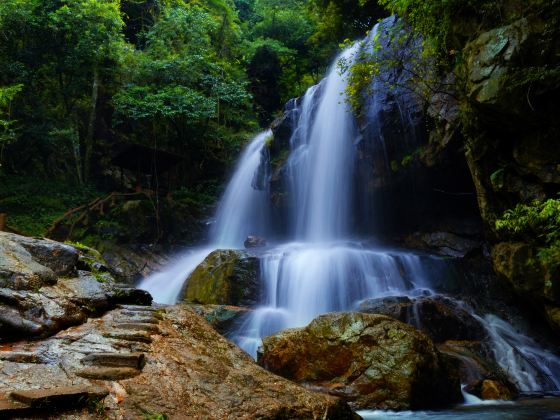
(525, 409)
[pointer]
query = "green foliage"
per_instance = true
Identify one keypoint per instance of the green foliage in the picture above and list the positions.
(8, 130)
(32, 205)
(537, 223)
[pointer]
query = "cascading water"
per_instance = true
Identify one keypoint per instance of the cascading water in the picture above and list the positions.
(323, 269)
(243, 210)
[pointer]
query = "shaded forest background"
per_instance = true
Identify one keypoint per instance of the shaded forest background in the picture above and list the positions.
(95, 94)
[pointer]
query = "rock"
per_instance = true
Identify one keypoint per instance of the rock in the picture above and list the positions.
(191, 372)
(493, 390)
(221, 317)
(490, 58)
(477, 366)
(108, 373)
(443, 243)
(253, 241)
(18, 269)
(517, 263)
(441, 318)
(36, 302)
(130, 360)
(225, 277)
(124, 294)
(60, 258)
(69, 396)
(369, 360)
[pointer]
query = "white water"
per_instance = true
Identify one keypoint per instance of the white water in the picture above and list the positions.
(166, 286)
(322, 170)
(242, 211)
(531, 368)
(321, 270)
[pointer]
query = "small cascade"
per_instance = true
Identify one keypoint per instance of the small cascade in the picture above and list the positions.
(166, 286)
(304, 280)
(243, 209)
(531, 368)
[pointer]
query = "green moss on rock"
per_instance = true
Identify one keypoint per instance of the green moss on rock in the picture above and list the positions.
(225, 277)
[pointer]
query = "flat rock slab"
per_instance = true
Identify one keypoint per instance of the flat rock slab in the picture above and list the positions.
(63, 397)
(128, 360)
(139, 308)
(139, 336)
(21, 357)
(138, 326)
(108, 373)
(151, 314)
(10, 408)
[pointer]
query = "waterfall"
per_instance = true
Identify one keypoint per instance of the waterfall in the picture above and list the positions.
(321, 267)
(243, 208)
(323, 181)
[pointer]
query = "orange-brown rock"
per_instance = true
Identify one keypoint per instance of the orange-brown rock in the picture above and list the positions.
(369, 360)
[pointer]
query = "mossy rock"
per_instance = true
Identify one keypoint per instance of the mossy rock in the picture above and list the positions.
(225, 277)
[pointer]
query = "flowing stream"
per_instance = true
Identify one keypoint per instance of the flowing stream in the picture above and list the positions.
(321, 268)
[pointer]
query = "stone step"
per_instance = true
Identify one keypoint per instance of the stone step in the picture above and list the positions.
(61, 397)
(129, 360)
(108, 373)
(138, 326)
(138, 308)
(21, 357)
(139, 319)
(140, 336)
(152, 314)
(10, 408)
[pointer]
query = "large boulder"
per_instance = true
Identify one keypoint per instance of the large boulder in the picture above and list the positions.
(225, 277)
(440, 317)
(149, 362)
(368, 360)
(46, 286)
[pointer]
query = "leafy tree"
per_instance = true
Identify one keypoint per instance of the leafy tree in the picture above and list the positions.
(8, 131)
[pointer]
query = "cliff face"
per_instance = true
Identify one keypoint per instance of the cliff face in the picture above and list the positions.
(511, 127)
(440, 169)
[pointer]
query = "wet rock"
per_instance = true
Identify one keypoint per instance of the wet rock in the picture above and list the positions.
(494, 390)
(225, 277)
(476, 367)
(441, 318)
(253, 241)
(368, 360)
(221, 317)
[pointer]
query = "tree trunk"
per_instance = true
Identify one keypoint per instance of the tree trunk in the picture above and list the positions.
(90, 138)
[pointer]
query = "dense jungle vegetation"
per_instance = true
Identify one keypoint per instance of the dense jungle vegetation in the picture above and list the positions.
(82, 80)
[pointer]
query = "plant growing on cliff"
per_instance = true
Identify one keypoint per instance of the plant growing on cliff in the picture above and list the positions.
(537, 223)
